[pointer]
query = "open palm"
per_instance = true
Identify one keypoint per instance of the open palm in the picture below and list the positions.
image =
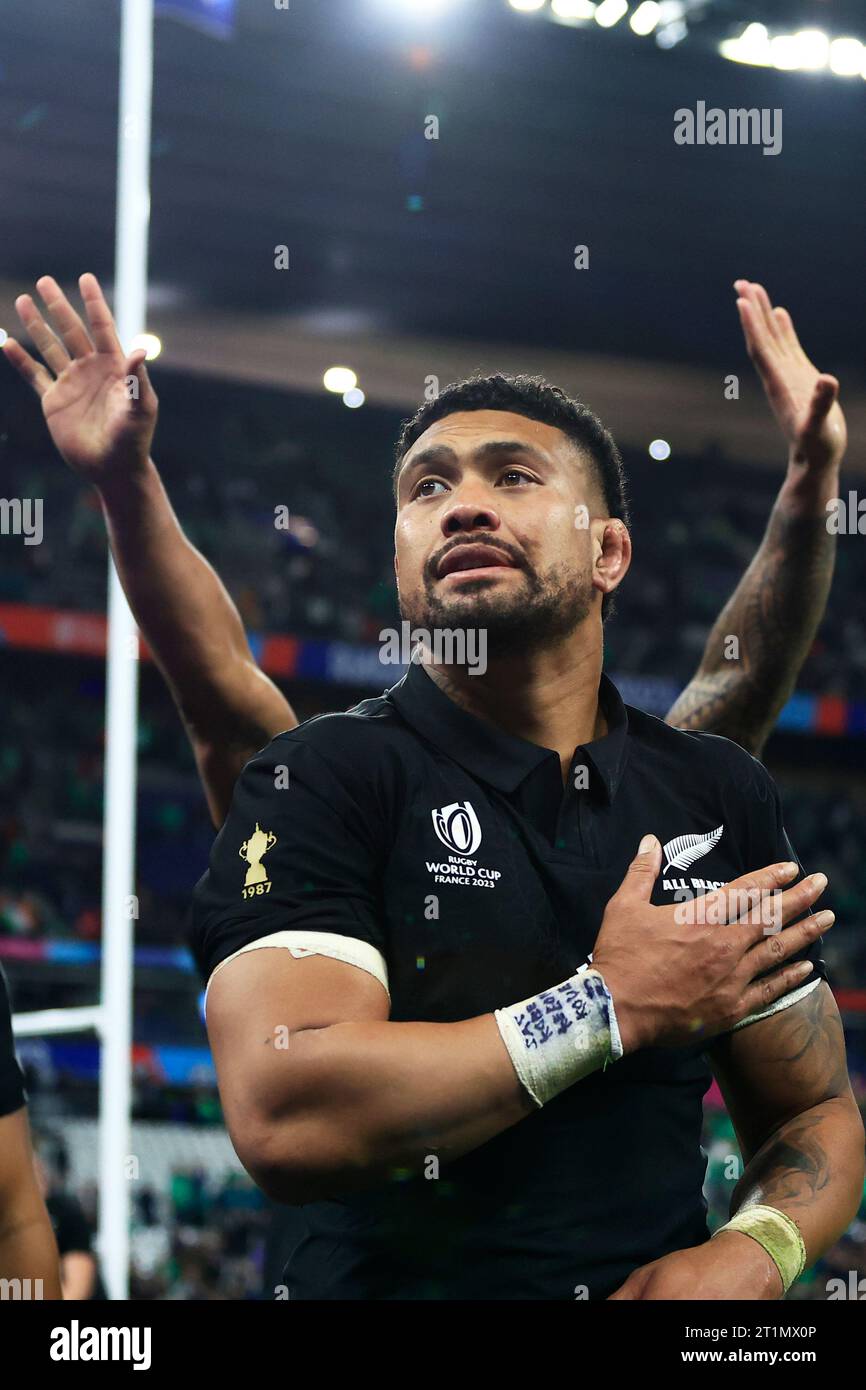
(98, 403)
(804, 401)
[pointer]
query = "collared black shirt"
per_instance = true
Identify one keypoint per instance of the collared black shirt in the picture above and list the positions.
(455, 850)
(12, 1095)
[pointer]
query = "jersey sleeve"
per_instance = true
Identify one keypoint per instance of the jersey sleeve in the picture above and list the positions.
(72, 1228)
(12, 1095)
(769, 844)
(301, 851)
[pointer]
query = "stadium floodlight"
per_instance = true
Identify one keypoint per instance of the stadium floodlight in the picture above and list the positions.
(784, 52)
(645, 17)
(151, 344)
(339, 380)
(610, 12)
(671, 27)
(573, 9)
(527, 5)
(813, 50)
(752, 46)
(809, 50)
(847, 57)
(660, 449)
(354, 398)
(671, 34)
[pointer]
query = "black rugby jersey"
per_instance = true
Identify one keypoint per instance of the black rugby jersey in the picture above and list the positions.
(454, 849)
(12, 1095)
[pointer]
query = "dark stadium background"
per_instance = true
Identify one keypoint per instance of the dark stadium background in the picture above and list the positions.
(408, 258)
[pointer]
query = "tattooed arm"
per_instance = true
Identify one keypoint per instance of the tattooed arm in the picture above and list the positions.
(774, 612)
(104, 429)
(778, 605)
(786, 1086)
(785, 1082)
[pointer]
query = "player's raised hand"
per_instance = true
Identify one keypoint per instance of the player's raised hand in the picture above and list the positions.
(804, 401)
(98, 402)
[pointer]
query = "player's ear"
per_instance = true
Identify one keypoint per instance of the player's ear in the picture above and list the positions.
(611, 553)
(396, 567)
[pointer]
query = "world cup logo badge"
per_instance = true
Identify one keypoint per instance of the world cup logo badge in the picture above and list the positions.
(457, 827)
(253, 851)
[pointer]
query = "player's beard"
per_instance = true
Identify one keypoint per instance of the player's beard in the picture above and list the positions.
(532, 616)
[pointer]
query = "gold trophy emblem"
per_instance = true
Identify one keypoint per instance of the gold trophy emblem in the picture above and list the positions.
(253, 851)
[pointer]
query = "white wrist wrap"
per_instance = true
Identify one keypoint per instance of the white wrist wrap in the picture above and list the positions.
(778, 1234)
(559, 1036)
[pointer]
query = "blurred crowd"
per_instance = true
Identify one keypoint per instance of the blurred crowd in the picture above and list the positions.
(205, 1233)
(294, 508)
(203, 1239)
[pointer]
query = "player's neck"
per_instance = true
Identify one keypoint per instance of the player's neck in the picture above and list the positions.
(549, 697)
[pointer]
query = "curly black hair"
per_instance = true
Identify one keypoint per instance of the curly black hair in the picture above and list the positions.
(537, 399)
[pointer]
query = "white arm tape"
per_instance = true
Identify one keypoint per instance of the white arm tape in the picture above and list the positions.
(784, 1003)
(561, 1035)
(318, 943)
(780, 1236)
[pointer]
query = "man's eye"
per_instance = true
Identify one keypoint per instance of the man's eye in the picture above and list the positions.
(518, 474)
(428, 483)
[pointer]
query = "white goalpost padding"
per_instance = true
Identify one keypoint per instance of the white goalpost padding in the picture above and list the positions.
(119, 911)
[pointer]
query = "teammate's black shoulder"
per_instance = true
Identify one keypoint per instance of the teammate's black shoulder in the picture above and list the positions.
(12, 1094)
(712, 755)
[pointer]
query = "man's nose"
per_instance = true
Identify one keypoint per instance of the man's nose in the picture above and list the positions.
(469, 516)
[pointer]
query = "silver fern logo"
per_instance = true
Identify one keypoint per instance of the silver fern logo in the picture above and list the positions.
(685, 849)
